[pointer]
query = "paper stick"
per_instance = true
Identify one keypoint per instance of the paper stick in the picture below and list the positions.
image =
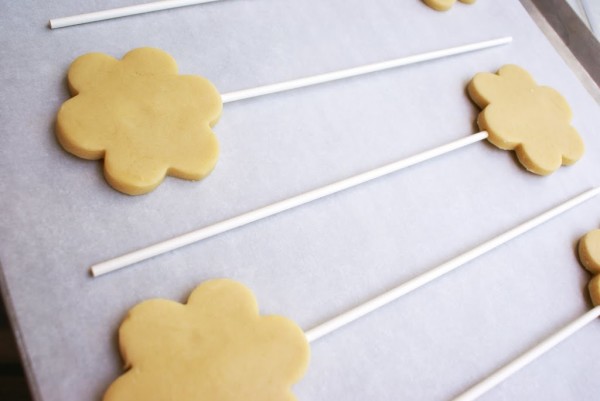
(529, 356)
(287, 204)
(447, 267)
(366, 69)
(142, 254)
(122, 12)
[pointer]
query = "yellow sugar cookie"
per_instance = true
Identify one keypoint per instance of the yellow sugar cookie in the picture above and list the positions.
(444, 5)
(520, 115)
(216, 347)
(142, 117)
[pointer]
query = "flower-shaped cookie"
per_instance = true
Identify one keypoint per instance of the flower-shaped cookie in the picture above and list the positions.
(216, 347)
(142, 117)
(520, 115)
(443, 5)
(589, 254)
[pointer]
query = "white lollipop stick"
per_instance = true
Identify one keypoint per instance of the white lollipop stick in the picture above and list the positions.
(162, 247)
(122, 12)
(287, 204)
(366, 69)
(529, 356)
(447, 267)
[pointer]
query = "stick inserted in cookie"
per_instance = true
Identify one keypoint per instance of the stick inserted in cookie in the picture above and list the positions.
(589, 256)
(278, 207)
(447, 267)
(122, 12)
(136, 160)
(525, 359)
(556, 143)
(362, 70)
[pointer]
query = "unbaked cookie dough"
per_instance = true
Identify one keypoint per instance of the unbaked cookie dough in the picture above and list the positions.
(444, 5)
(589, 254)
(520, 115)
(142, 117)
(216, 347)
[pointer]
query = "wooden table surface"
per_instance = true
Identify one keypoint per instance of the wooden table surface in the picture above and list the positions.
(559, 15)
(13, 386)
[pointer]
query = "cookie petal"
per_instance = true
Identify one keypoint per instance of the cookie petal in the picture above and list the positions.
(149, 61)
(89, 71)
(589, 251)
(594, 288)
(440, 5)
